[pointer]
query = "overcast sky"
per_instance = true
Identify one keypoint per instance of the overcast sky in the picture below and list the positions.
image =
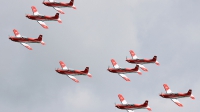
(92, 35)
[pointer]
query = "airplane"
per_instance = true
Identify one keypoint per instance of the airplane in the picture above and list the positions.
(131, 107)
(24, 40)
(140, 62)
(40, 18)
(122, 71)
(175, 96)
(57, 5)
(71, 72)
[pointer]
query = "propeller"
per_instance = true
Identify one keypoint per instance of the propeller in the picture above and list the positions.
(126, 57)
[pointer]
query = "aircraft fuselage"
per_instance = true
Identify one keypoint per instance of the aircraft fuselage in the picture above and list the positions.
(26, 40)
(41, 18)
(175, 95)
(140, 61)
(57, 4)
(121, 70)
(70, 72)
(130, 106)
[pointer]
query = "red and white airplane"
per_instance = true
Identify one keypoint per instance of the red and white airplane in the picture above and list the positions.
(175, 96)
(57, 5)
(40, 18)
(71, 73)
(140, 62)
(24, 40)
(122, 71)
(131, 107)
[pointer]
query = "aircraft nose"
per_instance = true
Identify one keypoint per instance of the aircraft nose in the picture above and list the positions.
(27, 16)
(10, 38)
(161, 95)
(117, 106)
(44, 3)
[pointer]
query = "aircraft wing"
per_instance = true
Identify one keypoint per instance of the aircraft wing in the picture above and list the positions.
(130, 110)
(43, 24)
(27, 46)
(59, 10)
(121, 98)
(16, 33)
(133, 55)
(114, 63)
(124, 77)
(143, 67)
(62, 64)
(177, 102)
(34, 9)
(73, 78)
(167, 88)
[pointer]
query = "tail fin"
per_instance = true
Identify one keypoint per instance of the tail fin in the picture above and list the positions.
(145, 103)
(190, 94)
(133, 55)
(86, 70)
(71, 2)
(56, 16)
(137, 70)
(154, 58)
(40, 39)
(16, 33)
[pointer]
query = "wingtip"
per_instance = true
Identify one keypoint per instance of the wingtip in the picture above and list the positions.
(179, 104)
(127, 79)
(144, 69)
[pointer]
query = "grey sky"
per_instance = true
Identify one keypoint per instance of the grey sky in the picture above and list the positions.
(90, 36)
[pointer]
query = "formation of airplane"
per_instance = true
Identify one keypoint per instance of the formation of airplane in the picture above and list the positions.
(140, 62)
(71, 72)
(123, 71)
(131, 107)
(175, 96)
(57, 5)
(24, 40)
(41, 18)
